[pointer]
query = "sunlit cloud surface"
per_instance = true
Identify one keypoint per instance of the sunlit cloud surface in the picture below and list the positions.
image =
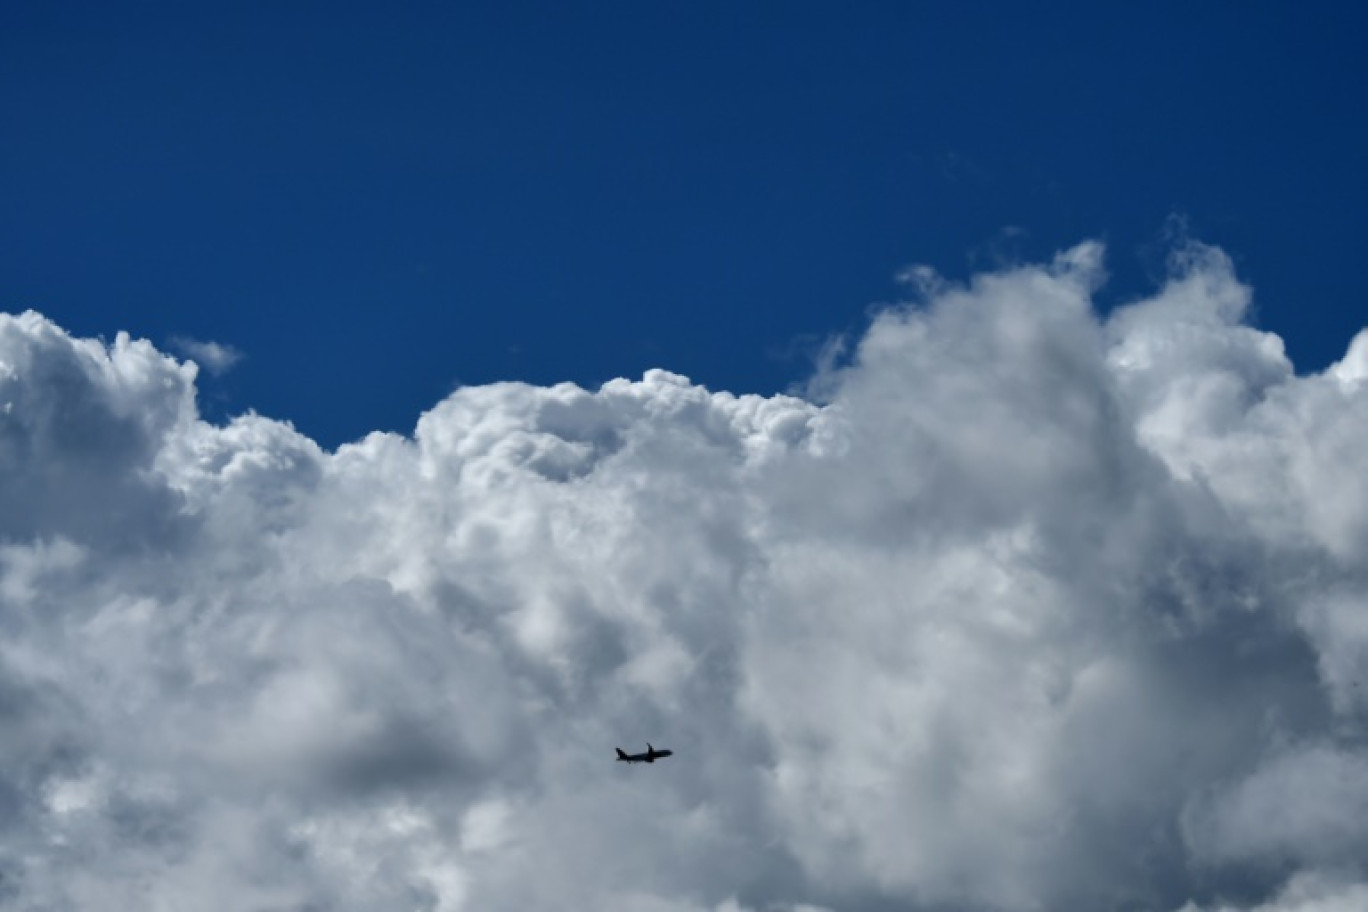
(1019, 607)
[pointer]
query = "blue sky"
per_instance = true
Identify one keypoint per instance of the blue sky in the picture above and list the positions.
(375, 205)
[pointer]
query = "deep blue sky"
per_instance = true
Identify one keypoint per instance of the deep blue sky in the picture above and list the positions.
(377, 205)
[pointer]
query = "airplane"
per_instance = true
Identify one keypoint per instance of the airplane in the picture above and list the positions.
(651, 755)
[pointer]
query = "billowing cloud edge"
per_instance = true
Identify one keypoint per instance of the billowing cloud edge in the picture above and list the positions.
(1024, 607)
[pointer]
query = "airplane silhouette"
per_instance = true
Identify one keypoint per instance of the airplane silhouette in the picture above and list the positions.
(651, 755)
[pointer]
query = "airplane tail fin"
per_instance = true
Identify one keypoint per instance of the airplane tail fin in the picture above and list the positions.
(621, 755)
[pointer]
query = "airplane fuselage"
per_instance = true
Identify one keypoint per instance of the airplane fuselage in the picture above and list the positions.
(651, 755)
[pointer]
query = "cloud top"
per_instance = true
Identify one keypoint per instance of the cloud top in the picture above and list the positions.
(1024, 608)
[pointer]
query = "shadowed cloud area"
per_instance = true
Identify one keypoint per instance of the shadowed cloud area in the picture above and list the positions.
(1018, 608)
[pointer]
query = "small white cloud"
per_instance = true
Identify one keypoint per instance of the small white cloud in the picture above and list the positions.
(69, 796)
(214, 357)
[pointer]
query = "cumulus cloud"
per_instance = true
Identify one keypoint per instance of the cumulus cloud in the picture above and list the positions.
(1022, 608)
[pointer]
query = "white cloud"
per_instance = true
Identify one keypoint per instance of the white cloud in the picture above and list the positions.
(215, 357)
(1306, 804)
(1313, 891)
(1035, 610)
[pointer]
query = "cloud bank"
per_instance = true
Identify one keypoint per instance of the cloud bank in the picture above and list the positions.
(1021, 609)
